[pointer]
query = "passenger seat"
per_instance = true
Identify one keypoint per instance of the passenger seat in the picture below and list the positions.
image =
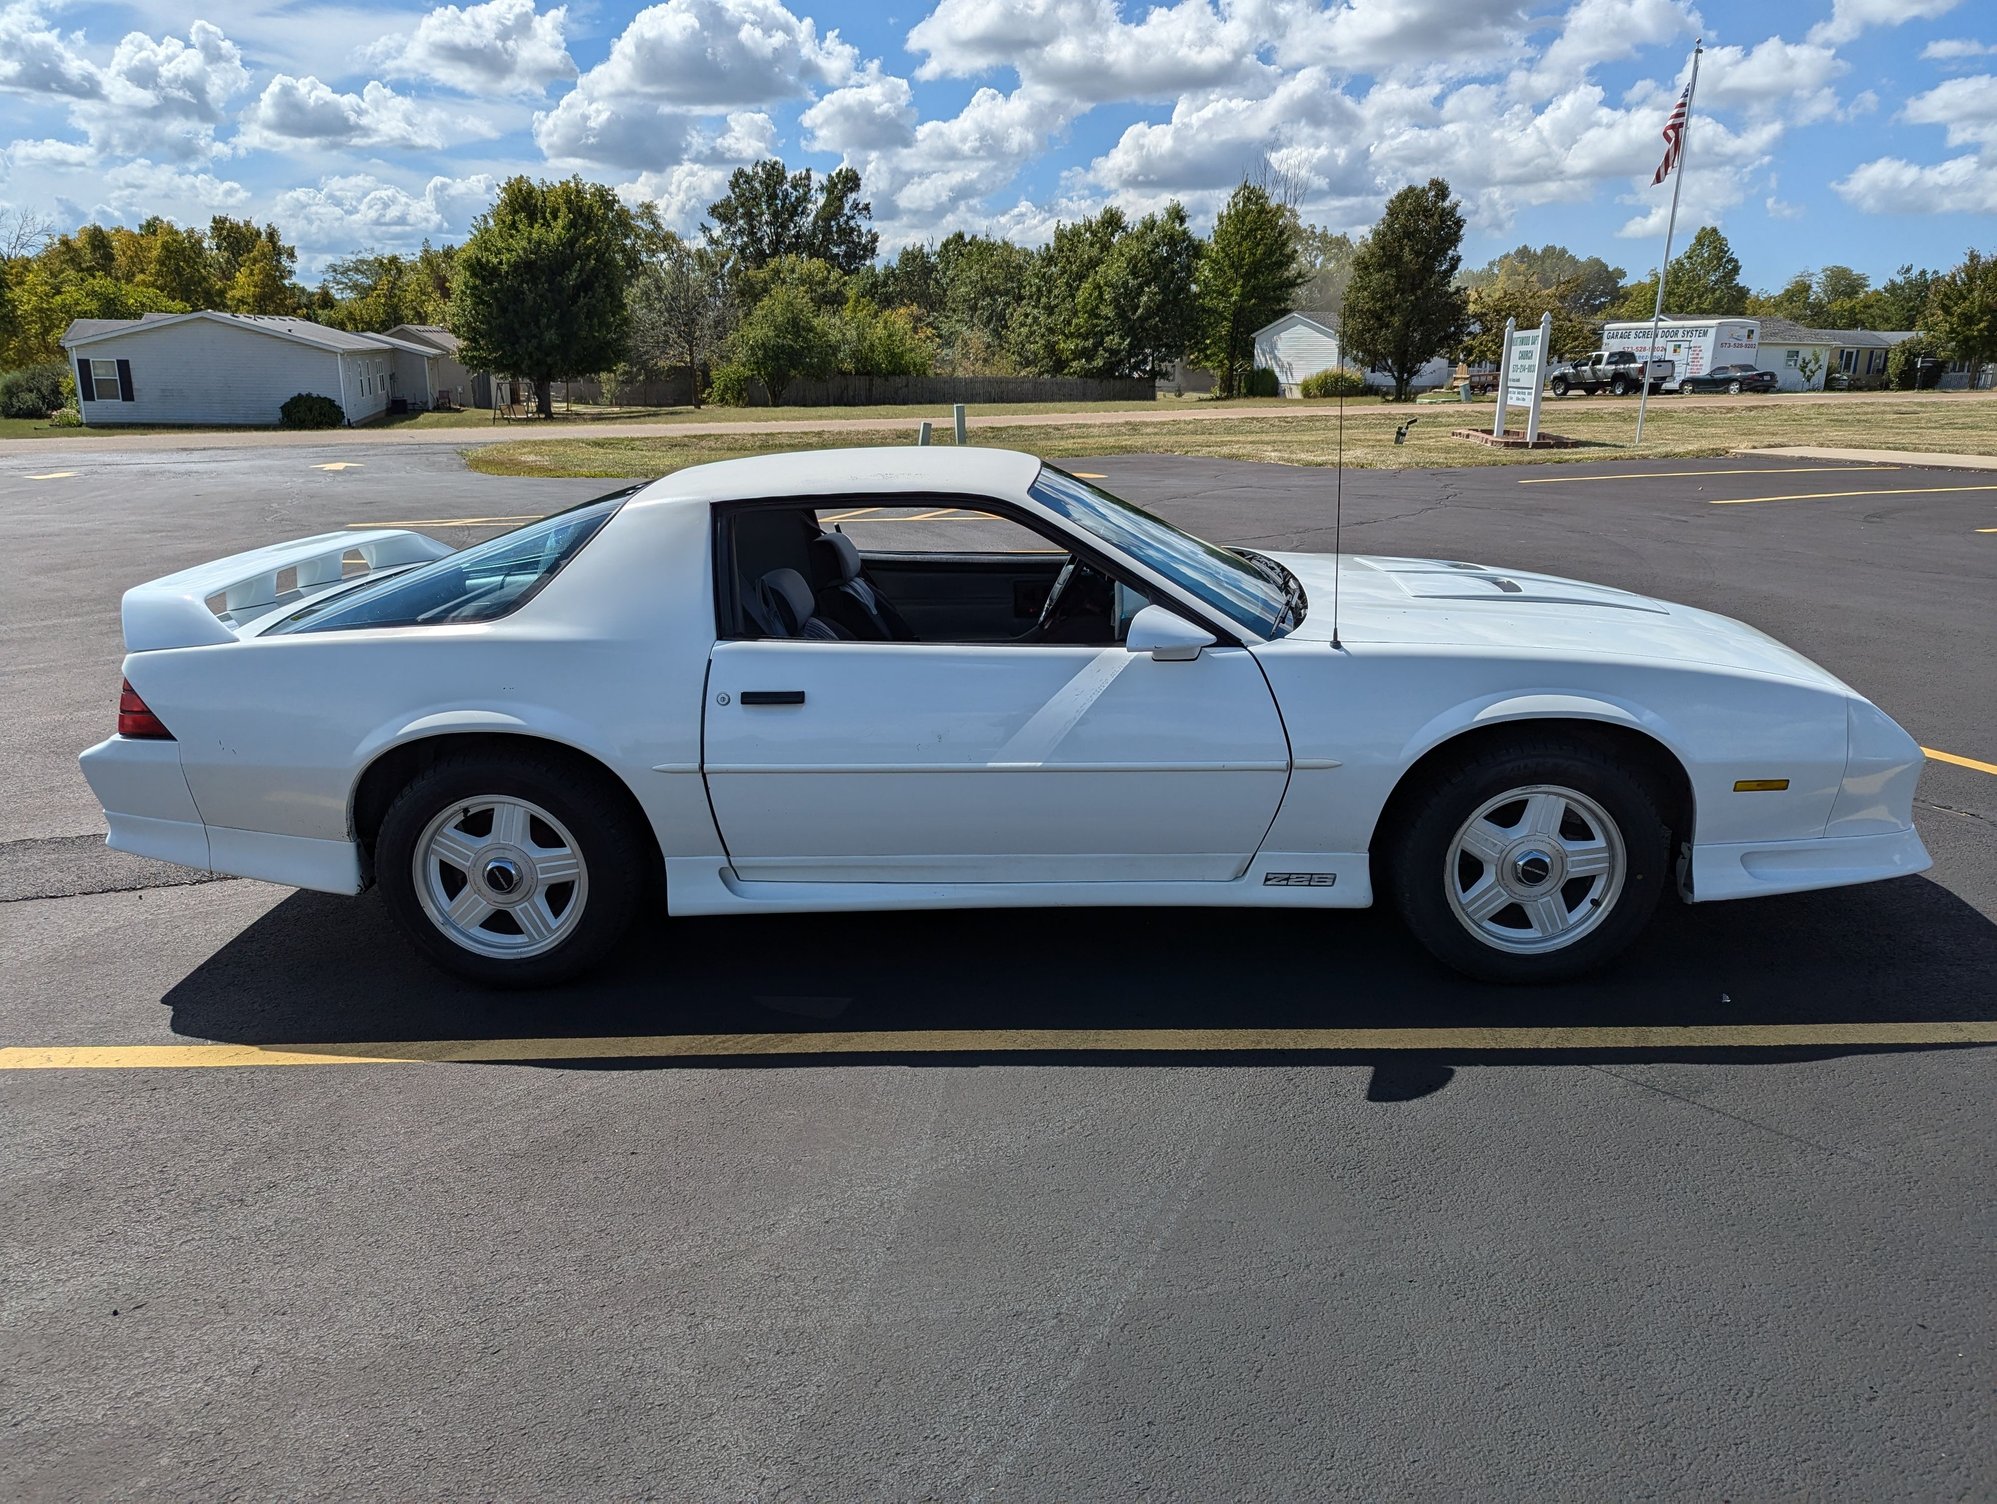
(784, 607)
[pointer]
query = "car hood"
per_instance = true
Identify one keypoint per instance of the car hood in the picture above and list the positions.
(1448, 603)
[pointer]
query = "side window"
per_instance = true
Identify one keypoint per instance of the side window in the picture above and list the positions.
(916, 573)
(104, 380)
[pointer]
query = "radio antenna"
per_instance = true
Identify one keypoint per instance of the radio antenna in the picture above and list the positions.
(1338, 523)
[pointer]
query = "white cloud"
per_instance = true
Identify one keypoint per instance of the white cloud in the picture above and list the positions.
(294, 112)
(35, 58)
(501, 46)
(1957, 49)
(341, 213)
(1770, 78)
(1850, 17)
(682, 192)
(1721, 164)
(1437, 38)
(1606, 31)
(1889, 185)
(139, 188)
(678, 61)
(46, 153)
(875, 112)
(1779, 208)
(1967, 106)
(164, 96)
(1084, 50)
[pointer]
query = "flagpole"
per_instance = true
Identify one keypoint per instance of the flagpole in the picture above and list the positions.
(1670, 227)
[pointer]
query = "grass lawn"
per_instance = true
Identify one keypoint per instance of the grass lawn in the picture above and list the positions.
(1959, 423)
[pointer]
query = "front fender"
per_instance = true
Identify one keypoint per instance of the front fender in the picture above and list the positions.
(1495, 709)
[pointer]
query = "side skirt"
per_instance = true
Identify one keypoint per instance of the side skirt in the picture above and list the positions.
(1286, 880)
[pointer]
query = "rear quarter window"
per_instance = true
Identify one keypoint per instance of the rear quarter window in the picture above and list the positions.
(481, 583)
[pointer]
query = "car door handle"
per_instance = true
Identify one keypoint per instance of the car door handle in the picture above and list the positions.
(772, 697)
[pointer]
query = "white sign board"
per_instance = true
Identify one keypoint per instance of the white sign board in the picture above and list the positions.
(1523, 368)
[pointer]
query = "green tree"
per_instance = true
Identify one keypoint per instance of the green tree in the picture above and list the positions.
(1704, 281)
(1326, 258)
(1247, 276)
(539, 286)
(259, 285)
(1904, 298)
(1043, 332)
(1524, 301)
(1404, 306)
(1795, 300)
(1590, 286)
(1962, 311)
(981, 278)
(783, 337)
(679, 309)
(769, 212)
(372, 291)
(231, 242)
(1134, 313)
(914, 279)
(883, 342)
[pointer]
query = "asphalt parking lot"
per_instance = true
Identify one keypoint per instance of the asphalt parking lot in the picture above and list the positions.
(1658, 1247)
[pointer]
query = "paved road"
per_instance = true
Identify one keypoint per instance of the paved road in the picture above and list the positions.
(1628, 1271)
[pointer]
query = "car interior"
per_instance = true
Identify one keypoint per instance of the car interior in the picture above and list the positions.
(933, 573)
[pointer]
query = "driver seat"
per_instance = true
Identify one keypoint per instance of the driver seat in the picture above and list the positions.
(849, 598)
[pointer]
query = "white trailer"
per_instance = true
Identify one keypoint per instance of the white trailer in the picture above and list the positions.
(1693, 346)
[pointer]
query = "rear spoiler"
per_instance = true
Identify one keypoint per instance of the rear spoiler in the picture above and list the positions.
(174, 611)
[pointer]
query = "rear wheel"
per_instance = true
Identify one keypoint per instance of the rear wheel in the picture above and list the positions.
(511, 870)
(1619, 387)
(1534, 861)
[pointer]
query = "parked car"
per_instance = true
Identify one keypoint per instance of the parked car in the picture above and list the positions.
(1030, 692)
(1620, 372)
(1735, 379)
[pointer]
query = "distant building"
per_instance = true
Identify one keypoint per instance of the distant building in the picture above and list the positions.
(1299, 345)
(240, 368)
(465, 387)
(1786, 348)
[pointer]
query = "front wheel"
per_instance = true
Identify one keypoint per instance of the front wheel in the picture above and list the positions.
(513, 870)
(1559, 386)
(1535, 861)
(1733, 388)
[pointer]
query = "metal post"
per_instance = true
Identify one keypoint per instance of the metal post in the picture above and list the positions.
(1504, 378)
(1670, 226)
(957, 411)
(922, 434)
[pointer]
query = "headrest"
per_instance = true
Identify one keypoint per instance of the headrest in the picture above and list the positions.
(837, 556)
(785, 592)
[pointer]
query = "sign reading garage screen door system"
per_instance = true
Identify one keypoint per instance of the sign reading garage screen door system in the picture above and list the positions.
(1524, 368)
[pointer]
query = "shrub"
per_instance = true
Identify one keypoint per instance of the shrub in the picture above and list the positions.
(1337, 382)
(311, 410)
(1903, 362)
(65, 417)
(1262, 382)
(729, 385)
(34, 391)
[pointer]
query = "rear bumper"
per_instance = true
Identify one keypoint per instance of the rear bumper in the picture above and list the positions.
(150, 812)
(1750, 869)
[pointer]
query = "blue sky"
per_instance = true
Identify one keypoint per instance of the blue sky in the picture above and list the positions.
(1854, 131)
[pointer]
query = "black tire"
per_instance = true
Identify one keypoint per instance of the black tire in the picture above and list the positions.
(1420, 874)
(1733, 388)
(1619, 388)
(599, 819)
(1559, 385)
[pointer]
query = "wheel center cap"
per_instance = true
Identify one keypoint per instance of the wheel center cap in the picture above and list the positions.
(1532, 868)
(502, 878)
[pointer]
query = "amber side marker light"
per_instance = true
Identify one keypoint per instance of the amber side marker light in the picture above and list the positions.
(1761, 785)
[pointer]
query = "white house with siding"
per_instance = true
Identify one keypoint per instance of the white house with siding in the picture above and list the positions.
(1301, 344)
(238, 368)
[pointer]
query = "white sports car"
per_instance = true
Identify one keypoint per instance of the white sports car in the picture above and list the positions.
(934, 678)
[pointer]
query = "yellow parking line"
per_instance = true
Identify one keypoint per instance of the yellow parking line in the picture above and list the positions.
(1735, 501)
(451, 521)
(1960, 762)
(54, 475)
(1087, 475)
(935, 516)
(849, 516)
(1563, 480)
(1003, 1041)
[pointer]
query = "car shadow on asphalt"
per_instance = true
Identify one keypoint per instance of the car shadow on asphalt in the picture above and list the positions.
(315, 969)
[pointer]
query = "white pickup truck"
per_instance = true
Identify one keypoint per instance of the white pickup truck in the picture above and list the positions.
(1620, 372)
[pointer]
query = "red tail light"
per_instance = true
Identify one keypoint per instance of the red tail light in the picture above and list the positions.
(135, 719)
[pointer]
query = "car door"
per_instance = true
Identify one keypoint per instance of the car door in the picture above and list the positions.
(1022, 762)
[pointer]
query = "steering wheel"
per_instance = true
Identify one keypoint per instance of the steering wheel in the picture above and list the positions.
(1049, 610)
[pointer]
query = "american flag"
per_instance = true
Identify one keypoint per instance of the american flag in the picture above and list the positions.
(1674, 138)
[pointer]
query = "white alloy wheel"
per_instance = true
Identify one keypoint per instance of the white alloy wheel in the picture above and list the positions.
(1535, 869)
(1734, 388)
(500, 876)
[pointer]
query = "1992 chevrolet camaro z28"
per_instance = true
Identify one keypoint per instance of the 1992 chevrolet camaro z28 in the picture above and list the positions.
(1030, 693)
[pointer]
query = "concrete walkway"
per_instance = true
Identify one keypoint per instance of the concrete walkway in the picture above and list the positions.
(1926, 460)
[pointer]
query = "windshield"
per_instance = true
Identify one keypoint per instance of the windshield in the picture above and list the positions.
(1255, 593)
(476, 584)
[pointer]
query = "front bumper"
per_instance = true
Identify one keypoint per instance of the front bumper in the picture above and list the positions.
(1750, 869)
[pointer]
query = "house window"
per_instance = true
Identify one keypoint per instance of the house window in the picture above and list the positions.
(1790, 357)
(1848, 362)
(104, 380)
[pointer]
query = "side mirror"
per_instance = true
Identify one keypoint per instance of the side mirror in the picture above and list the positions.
(1166, 636)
